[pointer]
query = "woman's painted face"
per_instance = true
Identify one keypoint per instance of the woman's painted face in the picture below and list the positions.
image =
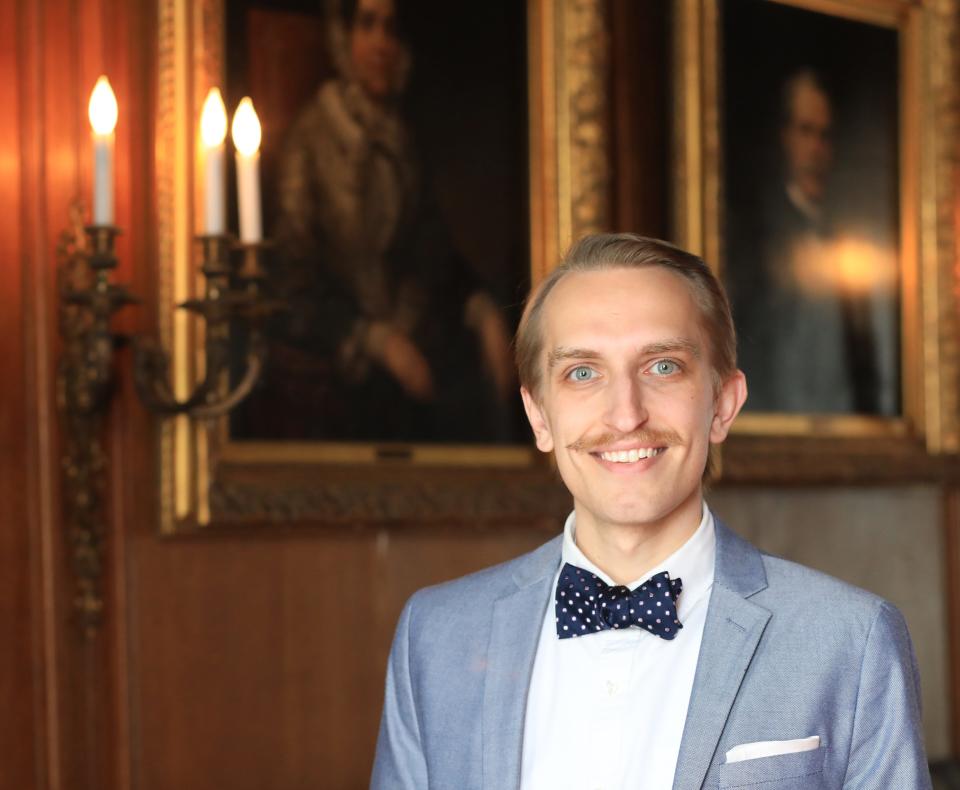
(375, 47)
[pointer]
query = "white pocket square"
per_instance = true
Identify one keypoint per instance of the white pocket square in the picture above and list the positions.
(752, 751)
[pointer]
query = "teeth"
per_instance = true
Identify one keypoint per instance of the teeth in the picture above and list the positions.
(630, 456)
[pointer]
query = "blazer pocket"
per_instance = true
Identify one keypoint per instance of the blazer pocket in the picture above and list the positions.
(778, 772)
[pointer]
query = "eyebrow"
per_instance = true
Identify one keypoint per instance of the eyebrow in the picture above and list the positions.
(562, 353)
(674, 344)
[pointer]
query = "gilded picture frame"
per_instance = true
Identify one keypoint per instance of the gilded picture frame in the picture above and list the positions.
(814, 445)
(208, 479)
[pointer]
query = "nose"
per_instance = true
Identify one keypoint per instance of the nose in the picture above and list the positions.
(382, 36)
(626, 407)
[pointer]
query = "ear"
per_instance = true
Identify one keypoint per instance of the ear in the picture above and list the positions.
(729, 401)
(541, 428)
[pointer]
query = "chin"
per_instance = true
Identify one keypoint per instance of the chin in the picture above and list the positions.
(648, 510)
(814, 191)
(639, 515)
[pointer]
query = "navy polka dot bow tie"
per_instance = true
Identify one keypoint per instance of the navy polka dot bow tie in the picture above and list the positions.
(587, 604)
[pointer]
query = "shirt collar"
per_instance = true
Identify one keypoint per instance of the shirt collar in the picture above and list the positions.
(803, 204)
(693, 562)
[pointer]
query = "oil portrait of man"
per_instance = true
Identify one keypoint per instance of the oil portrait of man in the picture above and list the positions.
(812, 219)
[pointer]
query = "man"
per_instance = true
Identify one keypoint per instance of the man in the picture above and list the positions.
(566, 668)
(807, 336)
(807, 141)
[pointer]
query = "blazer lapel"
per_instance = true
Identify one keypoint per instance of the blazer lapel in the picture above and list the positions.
(514, 636)
(731, 634)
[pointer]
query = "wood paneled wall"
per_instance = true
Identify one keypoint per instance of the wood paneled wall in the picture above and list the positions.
(260, 662)
(252, 661)
(63, 720)
(243, 661)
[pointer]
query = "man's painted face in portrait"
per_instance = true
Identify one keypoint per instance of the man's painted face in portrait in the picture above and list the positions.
(375, 47)
(807, 140)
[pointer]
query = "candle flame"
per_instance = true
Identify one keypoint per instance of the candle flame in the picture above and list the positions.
(103, 110)
(246, 128)
(213, 120)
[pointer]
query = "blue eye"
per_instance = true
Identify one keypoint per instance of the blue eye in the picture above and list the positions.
(581, 373)
(665, 367)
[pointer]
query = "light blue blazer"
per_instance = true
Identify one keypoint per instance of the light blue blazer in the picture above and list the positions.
(787, 653)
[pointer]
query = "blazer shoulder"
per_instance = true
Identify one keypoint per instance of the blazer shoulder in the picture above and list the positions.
(780, 584)
(798, 586)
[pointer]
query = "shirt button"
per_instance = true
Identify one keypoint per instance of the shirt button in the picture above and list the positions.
(612, 688)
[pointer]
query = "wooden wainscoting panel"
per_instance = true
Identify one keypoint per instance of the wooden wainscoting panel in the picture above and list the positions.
(261, 662)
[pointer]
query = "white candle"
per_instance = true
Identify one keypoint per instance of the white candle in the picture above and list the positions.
(246, 139)
(213, 132)
(103, 111)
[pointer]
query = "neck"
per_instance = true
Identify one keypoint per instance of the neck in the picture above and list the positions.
(366, 108)
(627, 552)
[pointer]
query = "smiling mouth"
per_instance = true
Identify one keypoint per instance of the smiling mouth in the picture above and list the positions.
(630, 456)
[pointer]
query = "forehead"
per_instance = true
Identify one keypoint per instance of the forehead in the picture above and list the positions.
(381, 8)
(810, 101)
(620, 307)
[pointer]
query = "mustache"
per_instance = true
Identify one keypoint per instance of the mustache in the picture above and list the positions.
(645, 436)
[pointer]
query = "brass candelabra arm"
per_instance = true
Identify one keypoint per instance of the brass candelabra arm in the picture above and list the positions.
(209, 399)
(232, 295)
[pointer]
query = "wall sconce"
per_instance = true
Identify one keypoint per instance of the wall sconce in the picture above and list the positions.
(232, 296)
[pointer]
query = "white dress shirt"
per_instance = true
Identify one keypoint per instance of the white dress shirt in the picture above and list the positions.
(607, 711)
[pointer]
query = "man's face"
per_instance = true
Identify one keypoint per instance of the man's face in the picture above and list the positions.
(807, 142)
(627, 397)
(375, 48)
